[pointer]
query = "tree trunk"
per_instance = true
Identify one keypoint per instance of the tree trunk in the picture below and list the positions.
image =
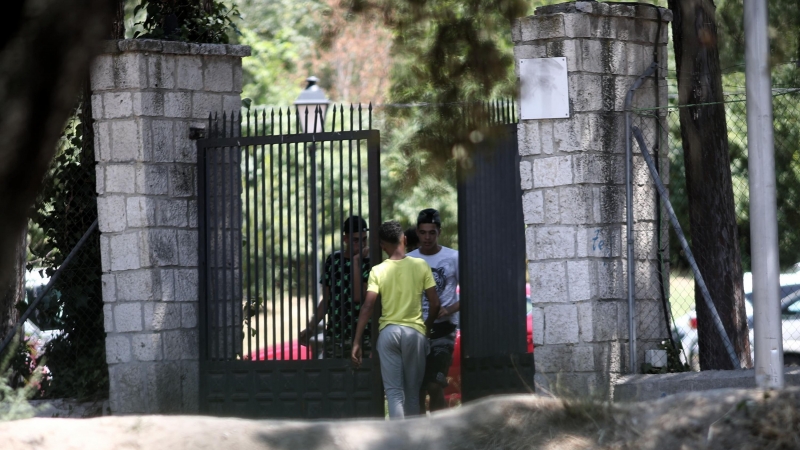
(45, 49)
(14, 287)
(708, 182)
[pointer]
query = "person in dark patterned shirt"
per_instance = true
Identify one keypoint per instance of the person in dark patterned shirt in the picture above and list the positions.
(344, 281)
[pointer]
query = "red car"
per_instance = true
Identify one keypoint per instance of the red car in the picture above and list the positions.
(295, 351)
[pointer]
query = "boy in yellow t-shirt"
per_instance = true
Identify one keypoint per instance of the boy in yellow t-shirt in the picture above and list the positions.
(402, 343)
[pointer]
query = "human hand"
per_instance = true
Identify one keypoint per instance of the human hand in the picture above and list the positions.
(443, 312)
(355, 355)
(363, 254)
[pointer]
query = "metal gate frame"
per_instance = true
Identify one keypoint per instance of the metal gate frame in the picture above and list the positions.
(231, 385)
(491, 231)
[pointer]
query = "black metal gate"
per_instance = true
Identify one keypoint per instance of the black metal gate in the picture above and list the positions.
(491, 235)
(271, 201)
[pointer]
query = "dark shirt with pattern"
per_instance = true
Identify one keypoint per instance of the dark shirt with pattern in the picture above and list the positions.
(342, 310)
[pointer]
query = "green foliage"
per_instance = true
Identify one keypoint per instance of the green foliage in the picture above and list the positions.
(282, 35)
(784, 32)
(410, 181)
(65, 209)
(19, 381)
(187, 21)
(448, 53)
(786, 115)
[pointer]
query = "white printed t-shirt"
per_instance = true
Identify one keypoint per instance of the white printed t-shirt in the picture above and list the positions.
(444, 265)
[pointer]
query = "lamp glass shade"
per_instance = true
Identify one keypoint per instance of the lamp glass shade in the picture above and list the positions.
(307, 102)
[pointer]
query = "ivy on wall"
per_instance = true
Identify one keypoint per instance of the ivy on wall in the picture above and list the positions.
(189, 21)
(65, 209)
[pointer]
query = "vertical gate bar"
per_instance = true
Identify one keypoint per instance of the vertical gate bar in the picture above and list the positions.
(202, 269)
(333, 125)
(280, 222)
(202, 252)
(215, 280)
(324, 256)
(246, 220)
(342, 216)
(336, 241)
(299, 256)
(310, 239)
(360, 188)
(354, 269)
(294, 274)
(272, 232)
(223, 236)
(312, 258)
(258, 226)
(273, 277)
(262, 228)
(239, 216)
(289, 235)
(360, 272)
(228, 225)
(220, 257)
(360, 206)
(373, 178)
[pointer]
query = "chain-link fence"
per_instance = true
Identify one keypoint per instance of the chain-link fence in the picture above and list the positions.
(670, 299)
(61, 314)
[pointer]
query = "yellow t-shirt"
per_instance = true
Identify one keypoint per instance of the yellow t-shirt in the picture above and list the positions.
(400, 284)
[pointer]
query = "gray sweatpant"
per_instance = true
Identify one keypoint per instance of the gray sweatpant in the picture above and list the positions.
(402, 352)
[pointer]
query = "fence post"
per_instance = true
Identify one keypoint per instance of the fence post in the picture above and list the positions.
(146, 95)
(573, 182)
(767, 328)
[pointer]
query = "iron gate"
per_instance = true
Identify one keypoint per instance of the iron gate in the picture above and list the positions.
(271, 201)
(491, 235)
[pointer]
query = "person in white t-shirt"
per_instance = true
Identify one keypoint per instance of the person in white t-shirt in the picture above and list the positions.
(444, 265)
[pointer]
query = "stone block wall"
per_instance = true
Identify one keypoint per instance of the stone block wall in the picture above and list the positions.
(573, 180)
(146, 94)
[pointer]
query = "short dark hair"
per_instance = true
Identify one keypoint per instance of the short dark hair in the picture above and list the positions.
(429, 215)
(412, 240)
(390, 232)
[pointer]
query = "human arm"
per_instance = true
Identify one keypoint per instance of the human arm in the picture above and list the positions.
(449, 310)
(455, 307)
(433, 307)
(363, 318)
(322, 309)
(359, 286)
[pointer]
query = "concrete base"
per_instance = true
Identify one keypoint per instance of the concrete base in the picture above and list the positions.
(635, 388)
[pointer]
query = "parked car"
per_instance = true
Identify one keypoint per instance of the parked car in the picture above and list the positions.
(686, 326)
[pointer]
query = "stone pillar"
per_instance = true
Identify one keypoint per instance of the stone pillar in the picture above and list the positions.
(573, 181)
(146, 95)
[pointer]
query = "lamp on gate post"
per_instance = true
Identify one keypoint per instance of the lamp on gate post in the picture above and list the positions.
(307, 102)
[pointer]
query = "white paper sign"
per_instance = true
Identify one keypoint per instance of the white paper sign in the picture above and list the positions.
(544, 92)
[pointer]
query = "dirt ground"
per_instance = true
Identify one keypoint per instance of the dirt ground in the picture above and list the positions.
(724, 419)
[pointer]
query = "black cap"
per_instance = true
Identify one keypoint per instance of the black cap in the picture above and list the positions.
(429, 215)
(354, 224)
